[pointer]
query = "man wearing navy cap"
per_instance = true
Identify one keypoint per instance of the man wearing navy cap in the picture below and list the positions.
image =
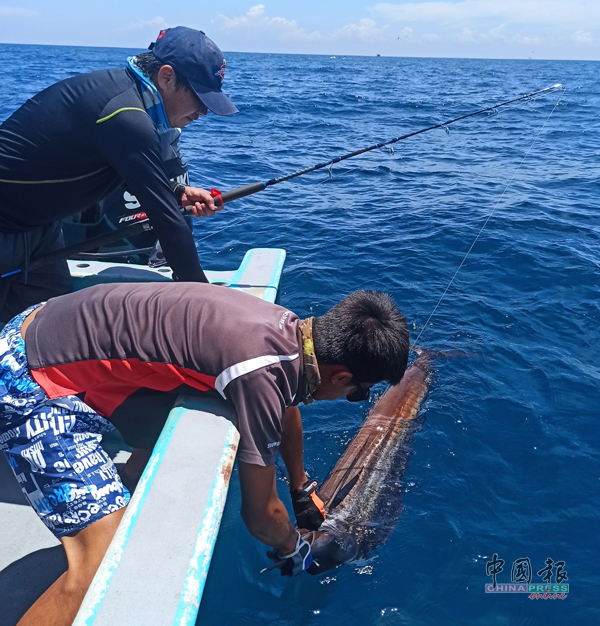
(75, 142)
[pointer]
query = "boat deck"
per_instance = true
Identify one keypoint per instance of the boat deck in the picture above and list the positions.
(156, 567)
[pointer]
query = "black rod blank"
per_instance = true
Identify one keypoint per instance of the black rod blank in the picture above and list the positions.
(247, 190)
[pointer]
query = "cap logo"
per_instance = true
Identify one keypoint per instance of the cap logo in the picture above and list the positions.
(162, 32)
(221, 71)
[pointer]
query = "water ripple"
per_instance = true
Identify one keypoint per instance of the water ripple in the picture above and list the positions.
(507, 460)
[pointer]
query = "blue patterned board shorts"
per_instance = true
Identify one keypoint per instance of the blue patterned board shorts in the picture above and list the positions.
(53, 446)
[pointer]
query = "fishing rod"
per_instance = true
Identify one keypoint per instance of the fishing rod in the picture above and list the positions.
(248, 190)
(489, 217)
(141, 222)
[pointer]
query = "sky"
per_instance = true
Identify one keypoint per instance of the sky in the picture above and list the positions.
(506, 29)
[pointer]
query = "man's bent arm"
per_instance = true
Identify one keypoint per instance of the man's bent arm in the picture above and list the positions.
(129, 143)
(262, 511)
(292, 447)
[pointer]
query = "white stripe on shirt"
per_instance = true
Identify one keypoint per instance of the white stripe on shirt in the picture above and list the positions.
(245, 367)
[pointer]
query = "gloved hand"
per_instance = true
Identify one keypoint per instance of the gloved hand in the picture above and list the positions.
(308, 507)
(292, 564)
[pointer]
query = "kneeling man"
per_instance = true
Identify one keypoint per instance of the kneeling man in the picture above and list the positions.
(84, 363)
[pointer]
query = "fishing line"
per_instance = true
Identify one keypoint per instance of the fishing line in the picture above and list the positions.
(252, 188)
(253, 214)
(142, 224)
(488, 218)
(491, 110)
(443, 125)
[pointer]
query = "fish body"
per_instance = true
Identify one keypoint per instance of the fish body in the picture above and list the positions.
(362, 493)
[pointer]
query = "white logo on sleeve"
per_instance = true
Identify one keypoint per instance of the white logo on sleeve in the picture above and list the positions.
(284, 316)
(131, 202)
(274, 444)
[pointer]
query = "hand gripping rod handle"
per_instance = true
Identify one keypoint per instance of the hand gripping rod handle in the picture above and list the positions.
(240, 192)
(131, 230)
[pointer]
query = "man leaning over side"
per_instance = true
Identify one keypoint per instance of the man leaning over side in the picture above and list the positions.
(118, 355)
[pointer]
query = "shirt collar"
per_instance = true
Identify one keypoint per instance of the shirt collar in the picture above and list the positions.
(155, 107)
(311, 378)
(153, 102)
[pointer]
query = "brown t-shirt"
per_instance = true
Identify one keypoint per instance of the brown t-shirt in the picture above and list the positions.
(109, 342)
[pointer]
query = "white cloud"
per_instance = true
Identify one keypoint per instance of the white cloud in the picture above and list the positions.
(495, 35)
(514, 11)
(16, 12)
(583, 37)
(436, 11)
(474, 28)
(527, 40)
(156, 23)
(498, 33)
(466, 35)
(257, 10)
(258, 21)
(365, 29)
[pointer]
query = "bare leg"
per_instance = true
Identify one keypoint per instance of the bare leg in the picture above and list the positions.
(85, 549)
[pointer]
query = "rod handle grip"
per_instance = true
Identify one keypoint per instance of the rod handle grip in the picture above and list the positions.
(240, 192)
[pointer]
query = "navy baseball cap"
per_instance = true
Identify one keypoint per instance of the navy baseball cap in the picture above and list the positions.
(198, 59)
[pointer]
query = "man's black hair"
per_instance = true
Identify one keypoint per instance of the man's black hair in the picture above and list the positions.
(149, 64)
(366, 333)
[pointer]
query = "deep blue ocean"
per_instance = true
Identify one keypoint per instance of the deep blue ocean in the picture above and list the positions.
(507, 461)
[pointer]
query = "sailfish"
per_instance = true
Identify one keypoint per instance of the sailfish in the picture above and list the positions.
(362, 495)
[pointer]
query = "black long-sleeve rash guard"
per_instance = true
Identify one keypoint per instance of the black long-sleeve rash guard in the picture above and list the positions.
(72, 144)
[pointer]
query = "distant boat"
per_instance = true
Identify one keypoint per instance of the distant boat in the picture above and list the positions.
(378, 55)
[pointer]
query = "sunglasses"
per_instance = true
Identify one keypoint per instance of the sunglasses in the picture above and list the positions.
(361, 393)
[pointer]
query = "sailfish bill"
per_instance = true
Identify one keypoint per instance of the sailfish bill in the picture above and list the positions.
(362, 495)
